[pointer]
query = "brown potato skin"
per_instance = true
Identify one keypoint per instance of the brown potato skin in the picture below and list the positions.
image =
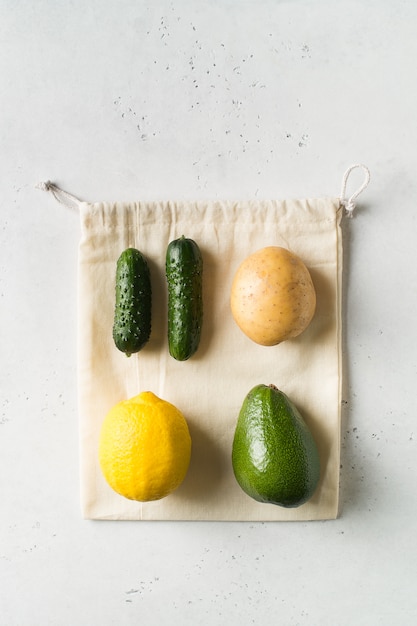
(272, 296)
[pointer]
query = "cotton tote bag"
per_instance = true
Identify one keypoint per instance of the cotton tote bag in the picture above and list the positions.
(209, 388)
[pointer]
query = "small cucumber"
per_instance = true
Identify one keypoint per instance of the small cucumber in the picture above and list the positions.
(132, 315)
(184, 272)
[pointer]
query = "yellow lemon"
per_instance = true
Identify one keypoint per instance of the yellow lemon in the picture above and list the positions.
(144, 447)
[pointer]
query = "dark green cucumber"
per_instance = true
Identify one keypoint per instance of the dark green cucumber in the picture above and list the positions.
(132, 315)
(184, 272)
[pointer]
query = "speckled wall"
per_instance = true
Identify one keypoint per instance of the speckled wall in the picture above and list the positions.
(246, 100)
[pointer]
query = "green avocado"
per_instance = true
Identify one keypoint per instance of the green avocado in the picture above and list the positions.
(274, 456)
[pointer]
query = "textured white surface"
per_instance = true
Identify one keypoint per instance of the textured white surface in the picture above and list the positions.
(121, 100)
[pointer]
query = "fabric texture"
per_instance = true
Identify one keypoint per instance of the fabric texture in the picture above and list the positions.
(210, 387)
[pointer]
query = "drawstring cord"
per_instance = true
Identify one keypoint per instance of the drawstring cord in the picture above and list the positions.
(350, 203)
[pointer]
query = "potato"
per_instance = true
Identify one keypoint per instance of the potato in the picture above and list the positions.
(272, 296)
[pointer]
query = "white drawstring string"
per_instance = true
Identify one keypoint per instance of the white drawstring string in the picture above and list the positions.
(349, 203)
(63, 197)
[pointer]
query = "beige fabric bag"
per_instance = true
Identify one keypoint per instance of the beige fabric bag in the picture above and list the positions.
(209, 388)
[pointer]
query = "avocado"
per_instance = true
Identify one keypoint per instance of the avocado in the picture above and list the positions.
(274, 456)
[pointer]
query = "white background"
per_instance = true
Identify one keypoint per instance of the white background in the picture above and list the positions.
(224, 99)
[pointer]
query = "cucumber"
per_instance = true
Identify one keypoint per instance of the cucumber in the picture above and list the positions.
(184, 272)
(132, 315)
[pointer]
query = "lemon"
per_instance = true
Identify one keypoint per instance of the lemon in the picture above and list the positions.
(144, 447)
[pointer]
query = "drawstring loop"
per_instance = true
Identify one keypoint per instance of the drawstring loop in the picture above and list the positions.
(350, 203)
